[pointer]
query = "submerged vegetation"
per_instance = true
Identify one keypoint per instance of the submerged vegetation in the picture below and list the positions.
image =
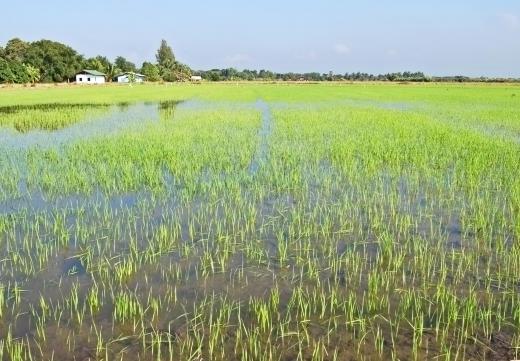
(46, 116)
(263, 222)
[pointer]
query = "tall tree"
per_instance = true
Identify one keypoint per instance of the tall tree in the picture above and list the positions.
(112, 71)
(165, 57)
(15, 50)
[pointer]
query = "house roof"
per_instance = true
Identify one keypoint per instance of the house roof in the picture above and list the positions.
(93, 72)
(130, 72)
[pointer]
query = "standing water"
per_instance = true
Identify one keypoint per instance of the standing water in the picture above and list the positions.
(263, 134)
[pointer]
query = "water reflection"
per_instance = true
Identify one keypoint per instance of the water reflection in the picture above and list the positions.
(167, 110)
(118, 118)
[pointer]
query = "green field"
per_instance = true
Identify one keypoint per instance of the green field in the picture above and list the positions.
(236, 221)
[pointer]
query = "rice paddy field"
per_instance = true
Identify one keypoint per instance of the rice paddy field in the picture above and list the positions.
(260, 222)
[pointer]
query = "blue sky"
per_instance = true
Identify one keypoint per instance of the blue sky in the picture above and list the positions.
(438, 37)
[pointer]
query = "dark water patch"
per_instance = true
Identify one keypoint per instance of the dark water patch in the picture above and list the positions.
(73, 267)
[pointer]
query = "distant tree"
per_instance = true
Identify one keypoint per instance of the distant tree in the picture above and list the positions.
(93, 64)
(125, 65)
(247, 74)
(111, 71)
(50, 61)
(213, 75)
(266, 75)
(120, 63)
(19, 72)
(151, 71)
(167, 75)
(12, 71)
(169, 68)
(229, 74)
(99, 63)
(16, 49)
(57, 62)
(103, 60)
(6, 75)
(179, 72)
(165, 58)
(313, 76)
(182, 72)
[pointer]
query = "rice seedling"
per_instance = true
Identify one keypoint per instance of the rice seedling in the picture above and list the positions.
(260, 222)
(47, 117)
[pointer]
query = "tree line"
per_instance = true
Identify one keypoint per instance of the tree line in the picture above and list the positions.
(49, 61)
(232, 74)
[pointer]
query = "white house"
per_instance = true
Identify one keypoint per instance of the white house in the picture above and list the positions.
(90, 77)
(196, 78)
(127, 77)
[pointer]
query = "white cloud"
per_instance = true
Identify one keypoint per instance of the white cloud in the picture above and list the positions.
(511, 20)
(341, 49)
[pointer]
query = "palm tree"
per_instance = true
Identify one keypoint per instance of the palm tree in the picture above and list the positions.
(112, 70)
(33, 73)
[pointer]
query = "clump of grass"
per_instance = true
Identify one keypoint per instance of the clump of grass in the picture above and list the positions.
(47, 117)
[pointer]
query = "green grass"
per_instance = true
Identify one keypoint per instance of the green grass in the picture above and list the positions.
(44, 117)
(437, 93)
(382, 223)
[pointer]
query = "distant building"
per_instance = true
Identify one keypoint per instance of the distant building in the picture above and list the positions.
(196, 78)
(90, 77)
(127, 77)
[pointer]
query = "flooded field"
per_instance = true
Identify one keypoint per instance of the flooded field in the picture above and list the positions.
(261, 223)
